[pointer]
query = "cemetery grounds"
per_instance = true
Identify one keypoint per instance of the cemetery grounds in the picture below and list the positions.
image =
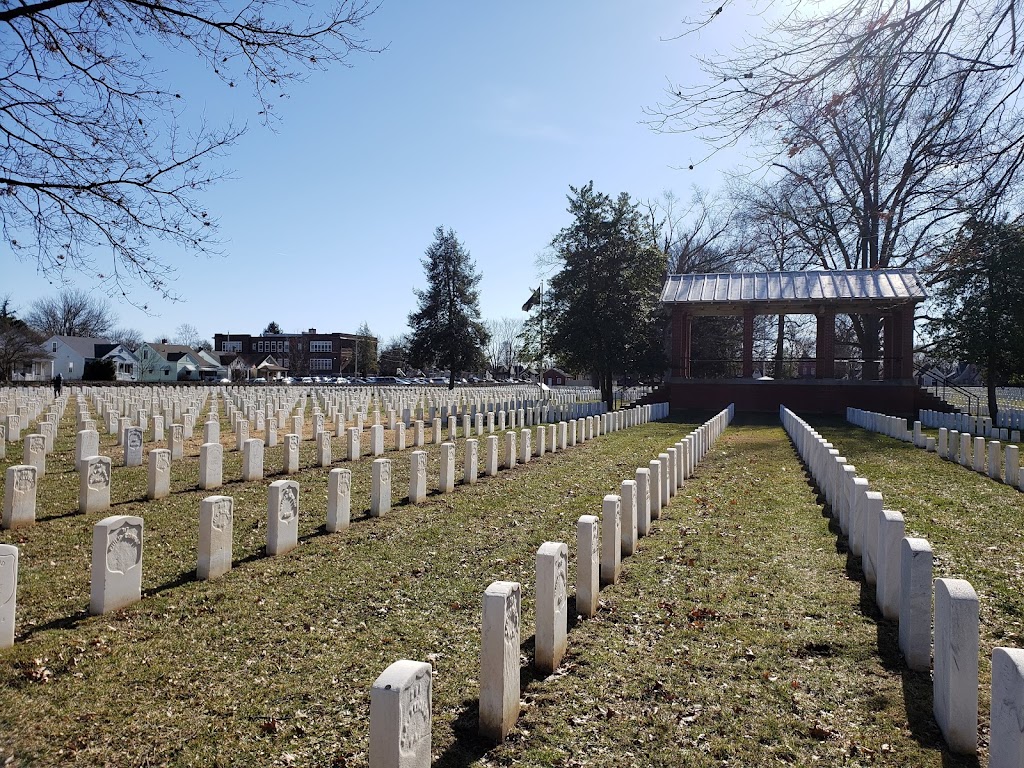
(740, 632)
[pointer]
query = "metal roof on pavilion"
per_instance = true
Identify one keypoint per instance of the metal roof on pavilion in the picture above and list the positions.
(852, 290)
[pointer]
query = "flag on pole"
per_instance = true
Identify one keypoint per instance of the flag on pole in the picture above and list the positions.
(533, 301)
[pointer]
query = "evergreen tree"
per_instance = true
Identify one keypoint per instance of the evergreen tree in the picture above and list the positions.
(982, 297)
(446, 330)
(603, 309)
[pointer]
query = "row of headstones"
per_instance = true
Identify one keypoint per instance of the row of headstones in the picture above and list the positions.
(95, 471)
(401, 697)
(1006, 424)
(1000, 462)
(900, 568)
(21, 482)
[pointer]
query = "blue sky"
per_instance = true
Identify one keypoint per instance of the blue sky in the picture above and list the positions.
(477, 116)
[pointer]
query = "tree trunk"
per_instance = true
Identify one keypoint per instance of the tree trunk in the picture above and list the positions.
(990, 385)
(870, 326)
(780, 348)
(607, 392)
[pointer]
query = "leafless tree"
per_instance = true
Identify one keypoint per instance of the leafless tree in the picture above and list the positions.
(695, 236)
(505, 349)
(100, 155)
(128, 337)
(889, 134)
(72, 312)
(188, 335)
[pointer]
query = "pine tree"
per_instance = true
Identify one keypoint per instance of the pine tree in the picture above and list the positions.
(446, 329)
(603, 305)
(981, 292)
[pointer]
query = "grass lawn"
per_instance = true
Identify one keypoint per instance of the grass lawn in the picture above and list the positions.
(738, 634)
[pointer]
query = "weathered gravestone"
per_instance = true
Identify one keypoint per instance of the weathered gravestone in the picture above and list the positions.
(216, 531)
(339, 499)
(132, 447)
(417, 477)
(588, 548)
(116, 563)
(499, 660)
(380, 489)
(282, 516)
(211, 466)
(400, 719)
(94, 484)
(8, 593)
(158, 484)
(552, 570)
(20, 483)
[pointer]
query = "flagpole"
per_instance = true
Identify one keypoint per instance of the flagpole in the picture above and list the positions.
(541, 304)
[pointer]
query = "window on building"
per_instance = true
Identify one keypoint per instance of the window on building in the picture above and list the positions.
(321, 364)
(54, 347)
(286, 345)
(320, 346)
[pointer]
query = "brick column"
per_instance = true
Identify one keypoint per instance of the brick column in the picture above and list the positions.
(825, 346)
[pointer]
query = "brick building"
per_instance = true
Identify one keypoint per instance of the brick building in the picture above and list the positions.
(302, 354)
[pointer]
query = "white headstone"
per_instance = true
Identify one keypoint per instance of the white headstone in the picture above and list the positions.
(282, 516)
(34, 453)
(158, 485)
(216, 530)
(955, 674)
(417, 477)
(499, 660)
(400, 720)
(323, 449)
(211, 466)
(116, 563)
(643, 501)
(915, 633)
(611, 539)
(627, 493)
(552, 600)
(8, 593)
(446, 483)
(339, 499)
(588, 549)
(380, 491)
(472, 461)
(1006, 737)
(354, 449)
(20, 484)
(132, 442)
(94, 485)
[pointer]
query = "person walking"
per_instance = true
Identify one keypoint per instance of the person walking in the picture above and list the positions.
(58, 382)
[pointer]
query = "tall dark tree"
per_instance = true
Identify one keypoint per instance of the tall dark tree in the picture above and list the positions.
(101, 153)
(446, 330)
(604, 302)
(272, 328)
(72, 312)
(19, 344)
(981, 293)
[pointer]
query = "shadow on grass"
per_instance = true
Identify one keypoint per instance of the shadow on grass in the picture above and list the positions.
(918, 698)
(65, 622)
